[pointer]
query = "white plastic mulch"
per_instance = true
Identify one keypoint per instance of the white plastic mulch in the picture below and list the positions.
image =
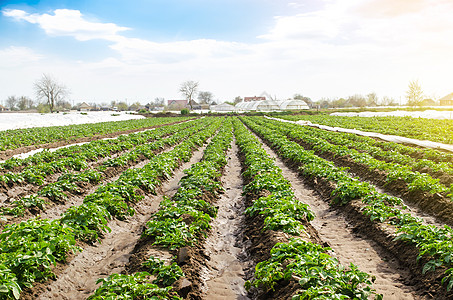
(27, 120)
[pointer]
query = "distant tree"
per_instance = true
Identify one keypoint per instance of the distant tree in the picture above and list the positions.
(303, 98)
(414, 94)
(372, 99)
(356, 100)
(43, 108)
(340, 102)
(62, 105)
(159, 101)
(50, 90)
(237, 100)
(324, 103)
(189, 89)
(205, 97)
(25, 103)
(388, 101)
(11, 102)
(122, 106)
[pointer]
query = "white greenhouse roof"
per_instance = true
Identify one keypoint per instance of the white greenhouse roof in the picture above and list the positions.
(271, 105)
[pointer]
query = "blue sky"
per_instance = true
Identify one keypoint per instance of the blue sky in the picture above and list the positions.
(142, 49)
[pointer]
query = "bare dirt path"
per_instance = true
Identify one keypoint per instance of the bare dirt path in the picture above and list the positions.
(78, 280)
(224, 272)
(347, 246)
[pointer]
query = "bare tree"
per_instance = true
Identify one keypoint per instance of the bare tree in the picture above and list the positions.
(414, 94)
(11, 102)
(50, 90)
(159, 101)
(188, 89)
(24, 103)
(237, 100)
(372, 99)
(388, 101)
(205, 97)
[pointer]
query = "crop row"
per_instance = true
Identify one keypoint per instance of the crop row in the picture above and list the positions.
(434, 244)
(74, 183)
(76, 157)
(30, 248)
(319, 275)
(434, 161)
(17, 138)
(417, 128)
(319, 142)
(179, 222)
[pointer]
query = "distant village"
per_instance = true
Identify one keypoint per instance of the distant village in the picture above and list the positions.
(264, 102)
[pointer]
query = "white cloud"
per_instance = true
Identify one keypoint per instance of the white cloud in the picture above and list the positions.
(343, 48)
(66, 22)
(18, 56)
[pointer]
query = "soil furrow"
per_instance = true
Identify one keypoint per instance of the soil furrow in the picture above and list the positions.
(224, 271)
(78, 279)
(348, 247)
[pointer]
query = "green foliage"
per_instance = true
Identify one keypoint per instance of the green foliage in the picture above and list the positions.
(88, 221)
(165, 275)
(30, 248)
(433, 243)
(319, 274)
(19, 206)
(9, 287)
(130, 287)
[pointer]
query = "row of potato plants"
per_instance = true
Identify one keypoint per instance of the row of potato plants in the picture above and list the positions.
(415, 180)
(17, 138)
(320, 276)
(70, 182)
(433, 161)
(36, 167)
(180, 221)
(417, 128)
(29, 249)
(434, 244)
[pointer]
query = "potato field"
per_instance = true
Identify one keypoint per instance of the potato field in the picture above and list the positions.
(225, 208)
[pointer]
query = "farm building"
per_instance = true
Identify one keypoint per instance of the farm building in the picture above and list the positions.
(224, 107)
(292, 104)
(263, 105)
(85, 107)
(254, 98)
(447, 100)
